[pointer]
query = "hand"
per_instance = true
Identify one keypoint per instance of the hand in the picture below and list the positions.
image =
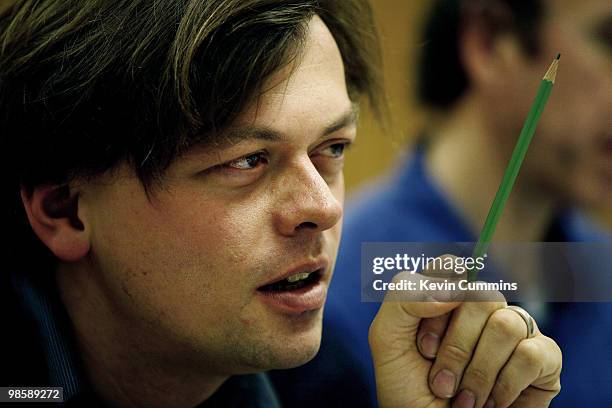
(468, 354)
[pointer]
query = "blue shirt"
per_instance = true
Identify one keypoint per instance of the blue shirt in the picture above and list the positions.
(410, 207)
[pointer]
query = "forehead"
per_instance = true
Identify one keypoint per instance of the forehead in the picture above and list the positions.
(310, 90)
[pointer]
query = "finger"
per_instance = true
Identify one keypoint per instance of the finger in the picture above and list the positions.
(442, 267)
(537, 363)
(394, 329)
(414, 287)
(440, 270)
(430, 334)
(534, 398)
(396, 324)
(504, 330)
(458, 344)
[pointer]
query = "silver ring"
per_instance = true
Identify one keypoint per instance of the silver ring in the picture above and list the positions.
(526, 318)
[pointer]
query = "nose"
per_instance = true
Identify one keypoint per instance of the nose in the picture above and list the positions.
(306, 202)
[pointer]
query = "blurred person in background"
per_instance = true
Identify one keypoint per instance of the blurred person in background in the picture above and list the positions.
(479, 69)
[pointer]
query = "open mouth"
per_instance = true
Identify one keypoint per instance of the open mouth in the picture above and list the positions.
(293, 282)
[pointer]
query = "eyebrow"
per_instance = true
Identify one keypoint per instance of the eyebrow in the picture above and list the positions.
(249, 132)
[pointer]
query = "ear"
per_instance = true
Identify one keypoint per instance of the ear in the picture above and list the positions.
(488, 47)
(53, 212)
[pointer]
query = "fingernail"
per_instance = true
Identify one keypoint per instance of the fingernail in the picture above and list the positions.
(442, 296)
(490, 403)
(465, 399)
(444, 384)
(430, 343)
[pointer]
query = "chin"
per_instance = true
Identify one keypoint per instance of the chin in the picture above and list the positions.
(296, 357)
(293, 350)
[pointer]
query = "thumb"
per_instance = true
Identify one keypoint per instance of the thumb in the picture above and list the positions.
(401, 319)
(397, 322)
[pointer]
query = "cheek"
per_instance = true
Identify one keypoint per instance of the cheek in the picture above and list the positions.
(338, 191)
(572, 119)
(337, 188)
(175, 258)
(213, 237)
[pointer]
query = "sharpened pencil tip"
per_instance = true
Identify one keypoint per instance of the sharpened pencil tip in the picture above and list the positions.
(558, 56)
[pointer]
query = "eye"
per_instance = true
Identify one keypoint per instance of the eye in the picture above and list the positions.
(248, 162)
(335, 150)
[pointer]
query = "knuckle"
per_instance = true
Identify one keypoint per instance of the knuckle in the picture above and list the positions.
(507, 324)
(455, 353)
(557, 352)
(557, 389)
(529, 352)
(546, 397)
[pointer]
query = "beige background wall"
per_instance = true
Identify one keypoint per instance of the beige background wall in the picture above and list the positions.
(375, 151)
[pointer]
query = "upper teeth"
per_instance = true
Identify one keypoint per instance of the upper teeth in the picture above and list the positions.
(298, 276)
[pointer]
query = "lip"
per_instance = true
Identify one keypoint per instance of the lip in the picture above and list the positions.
(299, 301)
(308, 266)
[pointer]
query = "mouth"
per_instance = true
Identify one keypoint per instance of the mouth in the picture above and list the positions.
(293, 282)
(296, 292)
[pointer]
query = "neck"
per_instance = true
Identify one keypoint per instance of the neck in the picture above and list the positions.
(468, 157)
(127, 365)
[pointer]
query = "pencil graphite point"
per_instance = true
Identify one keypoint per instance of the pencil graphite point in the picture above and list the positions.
(551, 74)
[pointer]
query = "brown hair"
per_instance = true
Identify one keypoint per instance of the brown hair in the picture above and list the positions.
(87, 84)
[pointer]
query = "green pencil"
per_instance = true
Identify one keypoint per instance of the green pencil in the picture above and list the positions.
(514, 166)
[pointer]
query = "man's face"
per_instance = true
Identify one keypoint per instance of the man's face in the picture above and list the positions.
(189, 266)
(571, 154)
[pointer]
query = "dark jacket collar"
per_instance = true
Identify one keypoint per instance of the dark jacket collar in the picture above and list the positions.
(50, 324)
